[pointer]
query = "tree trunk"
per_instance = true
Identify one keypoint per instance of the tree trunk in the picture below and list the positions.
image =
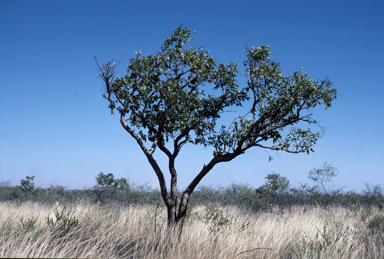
(176, 220)
(179, 218)
(172, 214)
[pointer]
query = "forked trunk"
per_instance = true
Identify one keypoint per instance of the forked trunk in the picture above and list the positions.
(179, 217)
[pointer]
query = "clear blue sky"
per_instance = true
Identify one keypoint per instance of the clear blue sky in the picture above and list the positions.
(54, 123)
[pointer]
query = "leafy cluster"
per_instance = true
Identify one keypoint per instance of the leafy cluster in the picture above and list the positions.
(64, 222)
(323, 175)
(27, 186)
(277, 102)
(106, 183)
(274, 184)
(163, 98)
(160, 93)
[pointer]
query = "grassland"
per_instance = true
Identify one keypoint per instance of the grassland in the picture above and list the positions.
(87, 230)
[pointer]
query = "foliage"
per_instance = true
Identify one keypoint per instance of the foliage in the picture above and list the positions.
(219, 223)
(241, 195)
(27, 186)
(376, 224)
(27, 225)
(215, 216)
(6, 184)
(57, 189)
(108, 183)
(7, 191)
(164, 98)
(65, 222)
(371, 192)
(331, 241)
(274, 184)
(323, 175)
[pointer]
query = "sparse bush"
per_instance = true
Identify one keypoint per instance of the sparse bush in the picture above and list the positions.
(27, 225)
(107, 186)
(376, 224)
(65, 221)
(274, 184)
(216, 231)
(372, 194)
(220, 223)
(214, 216)
(27, 186)
(7, 192)
(323, 176)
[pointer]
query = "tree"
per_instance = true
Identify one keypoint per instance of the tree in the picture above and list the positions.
(107, 182)
(274, 184)
(162, 100)
(323, 175)
(27, 186)
(104, 180)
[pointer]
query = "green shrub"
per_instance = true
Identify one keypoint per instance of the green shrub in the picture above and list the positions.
(27, 186)
(65, 222)
(107, 185)
(376, 224)
(27, 225)
(215, 216)
(274, 184)
(218, 222)
(323, 176)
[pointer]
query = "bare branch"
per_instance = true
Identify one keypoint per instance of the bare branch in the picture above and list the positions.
(276, 148)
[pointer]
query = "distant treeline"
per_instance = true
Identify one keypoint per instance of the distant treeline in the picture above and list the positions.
(275, 194)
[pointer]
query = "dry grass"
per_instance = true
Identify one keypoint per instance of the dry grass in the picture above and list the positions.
(141, 232)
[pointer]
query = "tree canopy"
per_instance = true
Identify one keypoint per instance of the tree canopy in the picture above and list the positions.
(163, 98)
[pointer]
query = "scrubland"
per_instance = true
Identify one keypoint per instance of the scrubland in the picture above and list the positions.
(89, 230)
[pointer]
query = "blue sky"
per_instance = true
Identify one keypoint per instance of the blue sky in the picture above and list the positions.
(54, 123)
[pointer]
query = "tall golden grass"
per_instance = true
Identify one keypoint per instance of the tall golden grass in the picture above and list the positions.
(112, 231)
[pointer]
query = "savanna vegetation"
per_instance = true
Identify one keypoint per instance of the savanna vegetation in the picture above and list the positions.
(119, 219)
(176, 98)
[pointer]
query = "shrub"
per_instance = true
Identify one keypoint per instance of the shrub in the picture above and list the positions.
(65, 221)
(376, 224)
(274, 184)
(27, 186)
